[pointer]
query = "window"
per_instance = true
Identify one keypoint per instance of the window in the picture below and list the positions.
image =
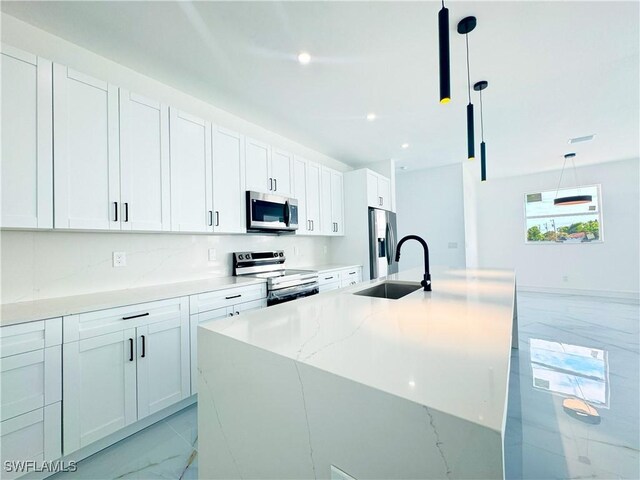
(549, 223)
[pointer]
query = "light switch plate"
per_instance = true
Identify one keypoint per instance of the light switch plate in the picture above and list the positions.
(296, 250)
(212, 254)
(119, 259)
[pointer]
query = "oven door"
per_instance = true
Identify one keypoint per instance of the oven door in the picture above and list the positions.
(291, 293)
(271, 212)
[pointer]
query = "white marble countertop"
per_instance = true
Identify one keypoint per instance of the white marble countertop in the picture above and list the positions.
(448, 349)
(330, 267)
(21, 312)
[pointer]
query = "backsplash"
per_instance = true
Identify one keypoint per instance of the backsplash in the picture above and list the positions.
(37, 265)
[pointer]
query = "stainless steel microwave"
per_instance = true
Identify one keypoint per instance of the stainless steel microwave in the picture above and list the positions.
(267, 212)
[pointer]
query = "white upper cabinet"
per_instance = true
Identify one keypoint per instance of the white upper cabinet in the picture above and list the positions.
(281, 172)
(300, 193)
(27, 148)
(191, 197)
(268, 170)
(378, 191)
(337, 215)
(307, 191)
(228, 182)
(86, 167)
(144, 164)
(258, 158)
(331, 198)
(313, 196)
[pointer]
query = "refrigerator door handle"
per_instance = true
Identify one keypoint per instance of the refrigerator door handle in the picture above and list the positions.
(391, 245)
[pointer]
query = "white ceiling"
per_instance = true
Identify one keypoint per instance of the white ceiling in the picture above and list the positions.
(555, 69)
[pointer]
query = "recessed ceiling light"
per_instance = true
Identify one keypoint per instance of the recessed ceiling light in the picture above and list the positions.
(586, 138)
(405, 145)
(371, 116)
(304, 58)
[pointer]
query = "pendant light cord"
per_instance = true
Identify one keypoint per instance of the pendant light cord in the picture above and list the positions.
(561, 173)
(481, 119)
(466, 36)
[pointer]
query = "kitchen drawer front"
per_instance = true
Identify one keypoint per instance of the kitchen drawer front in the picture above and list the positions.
(351, 275)
(93, 324)
(329, 277)
(327, 287)
(29, 381)
(35, 435)
(26, 337)
(228, 297)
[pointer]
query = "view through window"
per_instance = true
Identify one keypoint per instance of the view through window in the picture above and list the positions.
(546, 222)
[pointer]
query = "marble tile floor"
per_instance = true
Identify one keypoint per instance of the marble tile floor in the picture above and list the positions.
(570, 346)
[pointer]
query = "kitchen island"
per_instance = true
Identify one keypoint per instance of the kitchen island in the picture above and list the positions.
(341, 385)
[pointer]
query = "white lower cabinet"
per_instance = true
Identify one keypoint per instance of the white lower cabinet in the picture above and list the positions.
(34, 436)
(114, 379)
(30, 394)
(225, 311)
(334, 279)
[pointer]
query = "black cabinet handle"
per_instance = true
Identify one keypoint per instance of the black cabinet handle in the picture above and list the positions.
(136, 316)
(231, 314)
(270, 183)
(210, 218)
(217, 218)
(116, 211)
(312, 226)
(275, 184)
(352, 273)
(131, 349)
(237, 313)
(143, 346)
(328, 278)
(233, 296)
(126, 211)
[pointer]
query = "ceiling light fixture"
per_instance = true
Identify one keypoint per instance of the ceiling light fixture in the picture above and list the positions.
(371, 117)
(572, 199)
(445, 64)
(586, 138)
(465, 26)
(405, 145)
(479, 87)
(304, 58)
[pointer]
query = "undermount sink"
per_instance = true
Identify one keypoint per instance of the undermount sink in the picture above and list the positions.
(391, 290)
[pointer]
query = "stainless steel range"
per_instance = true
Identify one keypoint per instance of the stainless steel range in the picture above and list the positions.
(283, 284)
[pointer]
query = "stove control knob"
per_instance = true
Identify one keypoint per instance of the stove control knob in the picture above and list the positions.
(281, 254)
(275, 254)
(247, 256)
(240, 257)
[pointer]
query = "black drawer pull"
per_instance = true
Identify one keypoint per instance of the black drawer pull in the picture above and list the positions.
(352, 273)
(143, 345)
(233, 296)
(136, 316)
(328, 278)
(131, 349)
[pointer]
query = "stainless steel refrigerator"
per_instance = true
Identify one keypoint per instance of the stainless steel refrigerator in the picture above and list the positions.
(383, 239)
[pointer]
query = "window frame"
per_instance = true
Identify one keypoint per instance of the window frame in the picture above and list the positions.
(601, 236)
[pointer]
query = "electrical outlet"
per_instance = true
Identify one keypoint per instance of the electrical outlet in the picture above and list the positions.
(453, 245)
(324, 249)
(296, 250)
(212, 254)
(119, 259)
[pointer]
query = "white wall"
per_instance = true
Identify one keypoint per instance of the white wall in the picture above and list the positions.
(430, 204)
(39, 265)
(611, 267)
(47, 264)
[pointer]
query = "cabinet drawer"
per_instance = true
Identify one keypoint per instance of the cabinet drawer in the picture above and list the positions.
(25, 337)
(351, 274)
(36, 436)
(329, 277)
(30, 381)
(92, 324)
(205, 302)
(326, 287)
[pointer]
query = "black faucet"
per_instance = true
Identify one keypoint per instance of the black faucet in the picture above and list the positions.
(426, 282)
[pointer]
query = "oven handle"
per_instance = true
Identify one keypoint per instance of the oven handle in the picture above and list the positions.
(293, 291)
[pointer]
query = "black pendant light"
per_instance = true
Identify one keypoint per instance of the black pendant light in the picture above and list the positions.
(465, 26)
(445, 65)
(572, 199)
(479, 87)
